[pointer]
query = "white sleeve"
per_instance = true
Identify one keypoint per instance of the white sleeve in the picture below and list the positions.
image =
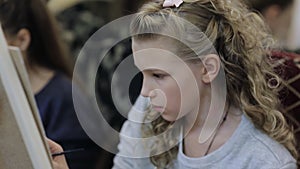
(290, 165)
(130, 146)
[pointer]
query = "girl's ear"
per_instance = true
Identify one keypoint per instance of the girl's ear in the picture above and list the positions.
(211, 66)
(22, 39)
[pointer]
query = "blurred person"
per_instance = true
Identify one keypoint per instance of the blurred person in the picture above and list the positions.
(278, 15)
(28, 25)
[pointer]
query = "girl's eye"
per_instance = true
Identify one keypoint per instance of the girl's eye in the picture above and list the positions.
(159, 76)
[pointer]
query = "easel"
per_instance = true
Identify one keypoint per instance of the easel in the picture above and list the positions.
(22, 143)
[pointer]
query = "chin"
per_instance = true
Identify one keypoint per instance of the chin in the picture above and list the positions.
(169, 118)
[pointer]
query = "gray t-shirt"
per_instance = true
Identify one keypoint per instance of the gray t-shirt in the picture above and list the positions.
(247, 148)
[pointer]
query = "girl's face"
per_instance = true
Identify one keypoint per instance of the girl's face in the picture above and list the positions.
(171, 84)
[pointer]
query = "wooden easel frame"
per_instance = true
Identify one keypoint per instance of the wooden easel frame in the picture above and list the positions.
(22, 143)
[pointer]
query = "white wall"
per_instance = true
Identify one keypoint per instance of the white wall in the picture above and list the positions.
(294, 34)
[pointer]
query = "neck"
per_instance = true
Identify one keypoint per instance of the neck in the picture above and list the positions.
(195, 120)
(39, 77)
(193, 148)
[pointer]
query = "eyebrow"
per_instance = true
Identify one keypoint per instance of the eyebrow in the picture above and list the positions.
(152, 70)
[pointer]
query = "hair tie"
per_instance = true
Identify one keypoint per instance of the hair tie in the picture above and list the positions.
(171, 3)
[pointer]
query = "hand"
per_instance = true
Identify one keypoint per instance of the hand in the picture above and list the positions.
(59, 162)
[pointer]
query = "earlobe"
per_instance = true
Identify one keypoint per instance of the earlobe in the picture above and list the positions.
(23, 39)
(211, 67)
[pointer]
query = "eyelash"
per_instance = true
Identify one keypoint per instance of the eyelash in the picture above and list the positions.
(158, 76)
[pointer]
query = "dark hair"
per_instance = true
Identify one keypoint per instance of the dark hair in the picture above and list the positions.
(260, 5)
(45, 49)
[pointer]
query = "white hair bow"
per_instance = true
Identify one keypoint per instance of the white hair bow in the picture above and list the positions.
(170, 3)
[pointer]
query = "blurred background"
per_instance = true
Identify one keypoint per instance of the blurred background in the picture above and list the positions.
(79, 19)
(283, 18)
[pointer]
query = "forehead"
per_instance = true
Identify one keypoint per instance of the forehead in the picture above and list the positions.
(166, 44)
(156, 54)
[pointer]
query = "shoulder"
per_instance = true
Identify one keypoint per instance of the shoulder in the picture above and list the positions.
(56, 96)
(59, 84)
(262, 150)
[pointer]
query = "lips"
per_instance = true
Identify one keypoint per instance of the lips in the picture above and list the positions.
(158, 108)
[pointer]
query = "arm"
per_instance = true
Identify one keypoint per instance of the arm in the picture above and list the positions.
(132, 153)
(130, 150)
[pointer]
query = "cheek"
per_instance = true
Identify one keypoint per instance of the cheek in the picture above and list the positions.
(173, 98)
(189, 97)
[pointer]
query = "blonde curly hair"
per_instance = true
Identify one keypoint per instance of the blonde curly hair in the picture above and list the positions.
(242, 42)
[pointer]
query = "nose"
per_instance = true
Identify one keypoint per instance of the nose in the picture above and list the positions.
(147, 88)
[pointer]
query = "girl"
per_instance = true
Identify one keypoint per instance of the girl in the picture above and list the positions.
(28, 25)
(250, 131)
(209, 93)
